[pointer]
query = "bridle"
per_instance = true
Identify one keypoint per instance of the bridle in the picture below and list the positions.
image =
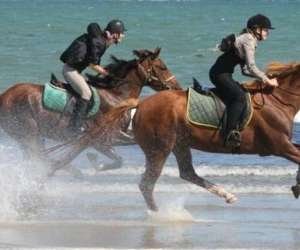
(278, 99)
(149, 76)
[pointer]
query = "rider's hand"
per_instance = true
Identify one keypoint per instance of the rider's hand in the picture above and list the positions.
(104, 72)
(272, 82)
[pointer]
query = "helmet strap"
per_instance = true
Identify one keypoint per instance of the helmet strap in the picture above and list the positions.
(260, 37)
(257, 34)
(108, 34)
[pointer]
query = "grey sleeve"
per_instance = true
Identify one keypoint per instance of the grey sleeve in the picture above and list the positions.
(250, 68)
(245, 71)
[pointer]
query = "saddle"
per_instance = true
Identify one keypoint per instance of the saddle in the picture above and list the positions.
(59, 96)
(207, 109)
(93, 80)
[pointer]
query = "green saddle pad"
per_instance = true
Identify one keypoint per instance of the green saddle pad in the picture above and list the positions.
(56, 99)
(208, 110)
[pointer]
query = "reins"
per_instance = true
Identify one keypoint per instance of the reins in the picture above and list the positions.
(276, 97)
(262, 97)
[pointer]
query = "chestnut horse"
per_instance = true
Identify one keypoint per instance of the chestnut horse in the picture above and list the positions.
(25, 119)
(160, 127)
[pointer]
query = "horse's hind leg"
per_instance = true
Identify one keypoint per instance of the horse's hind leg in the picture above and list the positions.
(184, 158)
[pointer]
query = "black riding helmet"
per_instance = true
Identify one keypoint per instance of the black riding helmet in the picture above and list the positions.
(259, 21)
(116, 26)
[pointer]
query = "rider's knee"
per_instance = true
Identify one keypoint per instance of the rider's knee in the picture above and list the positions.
(86, 95)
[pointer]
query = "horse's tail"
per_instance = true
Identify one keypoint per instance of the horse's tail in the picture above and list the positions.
(107, 127)
(109, 123)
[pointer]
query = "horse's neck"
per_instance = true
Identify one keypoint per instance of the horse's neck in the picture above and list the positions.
(287, 97)
(130, 88)
(278, 101)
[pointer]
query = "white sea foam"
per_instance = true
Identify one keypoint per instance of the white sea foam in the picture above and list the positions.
(182, 187)
(297, 117)
(19, 188)
(20, 185)
(205, 170)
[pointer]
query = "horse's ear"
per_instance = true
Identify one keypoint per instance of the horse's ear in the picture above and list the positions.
(138, 53)
(114, 59)
(156, 53)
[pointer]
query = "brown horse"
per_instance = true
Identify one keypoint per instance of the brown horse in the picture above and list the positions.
(25, 119)
(160, 127)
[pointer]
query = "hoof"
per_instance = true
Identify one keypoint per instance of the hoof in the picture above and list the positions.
(296, 191)
(231, 199)
(76, 173)
(93, 158)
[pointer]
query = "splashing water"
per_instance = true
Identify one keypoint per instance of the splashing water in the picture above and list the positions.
(171, 210)
(20, 185)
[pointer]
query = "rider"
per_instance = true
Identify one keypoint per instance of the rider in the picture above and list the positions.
(229, 90)
(86, 51)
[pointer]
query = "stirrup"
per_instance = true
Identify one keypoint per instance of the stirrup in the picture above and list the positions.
(233, 139)
(75, 131)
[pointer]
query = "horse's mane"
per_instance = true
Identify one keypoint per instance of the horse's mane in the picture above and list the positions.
(274, 69)
(277, 69)
(119, 67)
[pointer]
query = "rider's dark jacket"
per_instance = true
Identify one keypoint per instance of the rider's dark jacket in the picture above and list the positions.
(243, 54)
(85, 49)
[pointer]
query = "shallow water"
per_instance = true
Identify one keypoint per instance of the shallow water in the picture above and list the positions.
(105, 209)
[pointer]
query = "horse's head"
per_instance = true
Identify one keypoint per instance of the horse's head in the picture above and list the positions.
(148, 69)
(154, 71)
(288, 75)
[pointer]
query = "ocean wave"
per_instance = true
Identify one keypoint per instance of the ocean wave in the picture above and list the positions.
(205, 170)
(297, 117)
(80, 189)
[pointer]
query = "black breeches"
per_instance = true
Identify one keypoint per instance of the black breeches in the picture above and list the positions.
(234, 97)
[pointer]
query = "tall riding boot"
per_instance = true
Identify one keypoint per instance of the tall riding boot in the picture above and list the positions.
(232, 134)
(80, 112)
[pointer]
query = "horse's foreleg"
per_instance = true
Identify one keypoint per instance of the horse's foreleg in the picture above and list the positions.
(184, 158)
(71, 152)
